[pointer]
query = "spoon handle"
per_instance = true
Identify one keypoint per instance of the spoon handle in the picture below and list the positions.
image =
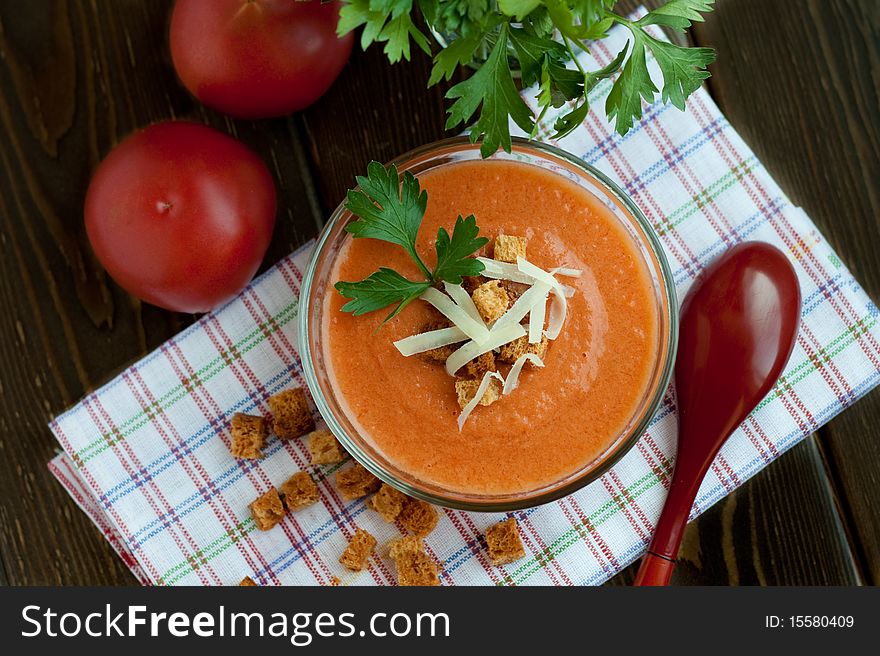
(654, 570)
(658, 563)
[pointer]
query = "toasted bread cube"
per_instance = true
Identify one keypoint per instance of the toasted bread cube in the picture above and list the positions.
(292, 417)
(480, 365)
(467, 388)
(299, 491)
(267, 510)
(356, 482)
(357, 553)
(514, 290)
(511, 351)
(248, 436)
(324, 448)
(491, 300)
(508, 248)
(247, 581)
(470, 283)
(504, 543)
(388, 502)
(437, 355)
(418, 517)
(414, 566)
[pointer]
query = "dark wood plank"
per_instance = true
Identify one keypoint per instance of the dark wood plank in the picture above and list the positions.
(807, 102)
(751, 538)
(75, 78)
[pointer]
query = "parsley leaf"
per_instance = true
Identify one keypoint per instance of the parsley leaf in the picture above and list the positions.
(392, 210)
(387, 209)
(453, 254)
(683, 68)
(380, 290)
(678, 14)
(492, 86)
(494, 36)
(624, 103)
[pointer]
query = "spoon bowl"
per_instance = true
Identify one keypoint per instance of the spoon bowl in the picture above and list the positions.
(739, 322)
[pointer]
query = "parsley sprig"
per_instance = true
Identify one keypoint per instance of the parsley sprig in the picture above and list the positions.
(543, 36)
(392, 210)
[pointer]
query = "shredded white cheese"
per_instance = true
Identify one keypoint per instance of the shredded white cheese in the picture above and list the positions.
(565, 271)
(464, 301)
(481, 390)
(536, 320)
(534, 295)
(430, 340)
(476, 330)
(504, 271)
(498, 337)
(512, 380)
(559, 306)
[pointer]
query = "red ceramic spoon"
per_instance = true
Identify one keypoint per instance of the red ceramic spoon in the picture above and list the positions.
(738, 327)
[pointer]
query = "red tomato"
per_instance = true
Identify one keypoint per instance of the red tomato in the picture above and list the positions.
(257, 58)
(181, 215)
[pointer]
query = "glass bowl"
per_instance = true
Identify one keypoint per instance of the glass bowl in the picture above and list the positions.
(318, 280)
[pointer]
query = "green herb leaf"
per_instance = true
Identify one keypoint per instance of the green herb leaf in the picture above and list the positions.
(684, 69)
(624, 103)
(492, 87)
(380, 290)
(678, 14)
(458, 53)
(388, 209)
(454, 254)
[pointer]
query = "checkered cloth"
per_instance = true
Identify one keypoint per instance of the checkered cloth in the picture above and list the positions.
(147, 456)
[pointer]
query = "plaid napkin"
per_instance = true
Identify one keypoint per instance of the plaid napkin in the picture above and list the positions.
(147, 456)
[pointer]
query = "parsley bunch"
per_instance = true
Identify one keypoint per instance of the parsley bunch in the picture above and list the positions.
(393, 211)
(542, 36)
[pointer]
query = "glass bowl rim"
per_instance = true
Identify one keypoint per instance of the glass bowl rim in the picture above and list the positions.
(501, 503)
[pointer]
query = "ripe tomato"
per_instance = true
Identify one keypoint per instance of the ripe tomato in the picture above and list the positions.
(181, 215)
(257, 58)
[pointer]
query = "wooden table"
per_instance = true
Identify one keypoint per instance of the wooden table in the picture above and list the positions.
(797, 78)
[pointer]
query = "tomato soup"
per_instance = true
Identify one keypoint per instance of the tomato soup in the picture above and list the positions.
(560, 418)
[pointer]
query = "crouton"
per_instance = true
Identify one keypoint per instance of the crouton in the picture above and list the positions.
(514, 290)
(491, 300)
(247, 581)
(414, 566)
(470, 283)
(267, 510)
(324, 448)
(504, 543)
(511, 351)
(439, 354)
(467, 388)
(299, 491)
(357, 553)
(388, 502)
(292, 417)
(356, 482)
(418, 517)
(508, 248)
(480, 365)
(248, 436)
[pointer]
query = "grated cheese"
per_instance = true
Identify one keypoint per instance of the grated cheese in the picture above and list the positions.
(533, 296)
(504, 271)
(430, 340)
(559, 306)
(464, 301)
(481, 390)
(498, 337)
(476, 330)
(536, 320)
(512, 380)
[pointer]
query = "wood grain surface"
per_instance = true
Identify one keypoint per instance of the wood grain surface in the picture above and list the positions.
(797, 78)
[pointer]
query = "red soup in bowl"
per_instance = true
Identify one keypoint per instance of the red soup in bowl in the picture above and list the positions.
(603, 374)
